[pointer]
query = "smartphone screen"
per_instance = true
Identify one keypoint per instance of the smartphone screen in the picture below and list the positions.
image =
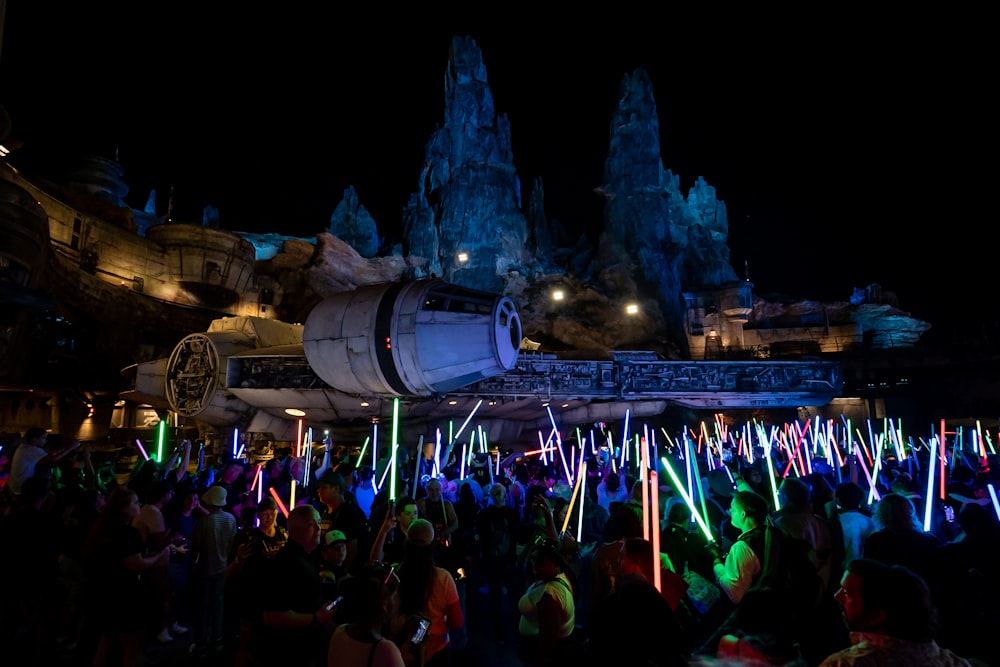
(421, 632)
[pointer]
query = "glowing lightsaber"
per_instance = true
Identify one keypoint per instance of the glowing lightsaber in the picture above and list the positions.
(655, 487)
(942, 458)
(993, 497)
(467, 420)
(699, 486)
(461, 469)
(395, 443)
(375, 446)
(160, 436)
(256, 476)
(687, 499)
(142, 450)
(770, 474)
(572, 502)
(876, 468)
(298, 440)
(868, 476)
(930, 492)
(236, 441)
(291, 493)
(309, 449)
(625, 439)
(388, 467)
(416, 469)
(361, 456)
(643, 459)
(559, 446)
(583, 499)
(437, 453)
(277, 499)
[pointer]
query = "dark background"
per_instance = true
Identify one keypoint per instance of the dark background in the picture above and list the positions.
(848, 148)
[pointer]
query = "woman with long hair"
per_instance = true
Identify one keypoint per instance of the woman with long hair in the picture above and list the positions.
(113, 561)
(370, 599)
(428, 591)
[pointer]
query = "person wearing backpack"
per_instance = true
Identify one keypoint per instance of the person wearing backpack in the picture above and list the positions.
(738, 570)
(497, 528)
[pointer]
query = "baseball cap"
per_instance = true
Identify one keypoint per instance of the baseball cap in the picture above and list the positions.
(333, 537)
(266, 504)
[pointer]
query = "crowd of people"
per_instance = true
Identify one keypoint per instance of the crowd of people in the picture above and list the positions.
(818, 570)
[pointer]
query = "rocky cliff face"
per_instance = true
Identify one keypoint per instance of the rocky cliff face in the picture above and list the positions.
(465, 218)
(467, 223)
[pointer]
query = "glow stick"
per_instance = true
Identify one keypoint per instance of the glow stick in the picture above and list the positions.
(291, 494)
(160, 436)
(277, 499)
(993, 496)
(655, 487)
(930, 492)
(583, 499)
(145, 456)
(395, 444)
(687, 499)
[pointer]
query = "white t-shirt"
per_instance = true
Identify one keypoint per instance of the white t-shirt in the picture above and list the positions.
(22, 466)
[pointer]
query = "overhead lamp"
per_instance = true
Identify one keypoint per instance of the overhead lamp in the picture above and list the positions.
(558, 295)
(452, 402)
(463, 257)
(364, 404)
(632, 309)
(295, 412)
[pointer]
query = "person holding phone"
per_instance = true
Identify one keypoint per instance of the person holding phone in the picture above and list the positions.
(371, 599)
(425, 591)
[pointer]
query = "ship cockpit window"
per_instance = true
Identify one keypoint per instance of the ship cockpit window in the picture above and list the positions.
(455, 299)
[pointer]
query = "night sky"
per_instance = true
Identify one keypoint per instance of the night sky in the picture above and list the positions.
(847, 151)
